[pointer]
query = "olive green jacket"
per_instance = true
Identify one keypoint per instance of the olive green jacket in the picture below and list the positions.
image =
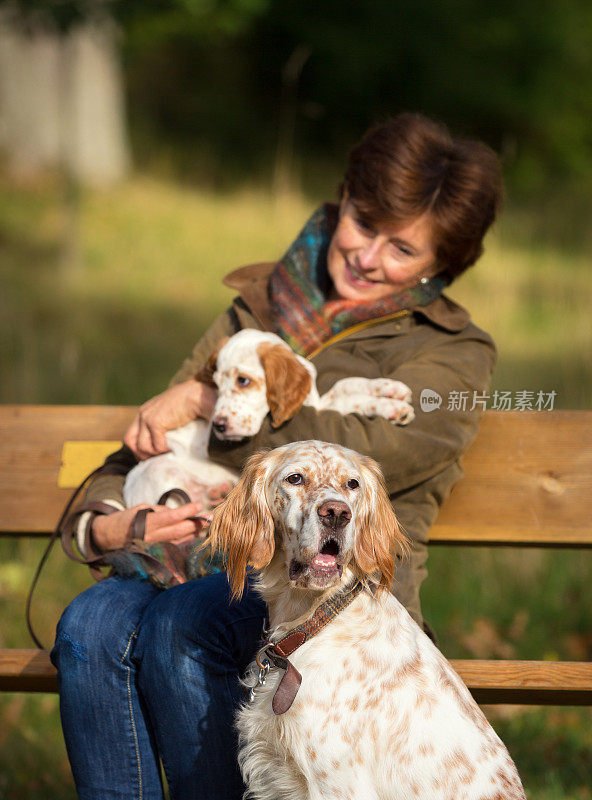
(433, 348)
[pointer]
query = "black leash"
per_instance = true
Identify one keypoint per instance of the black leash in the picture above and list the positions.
(57, 533)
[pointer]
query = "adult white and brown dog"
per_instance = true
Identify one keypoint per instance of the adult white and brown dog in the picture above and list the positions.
(255, 373)
(379, 714)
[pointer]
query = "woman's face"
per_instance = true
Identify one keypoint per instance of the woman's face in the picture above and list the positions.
(368, 262)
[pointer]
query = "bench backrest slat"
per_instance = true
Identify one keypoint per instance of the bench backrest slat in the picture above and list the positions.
(32, 441)
(528, 474)
(528, 480)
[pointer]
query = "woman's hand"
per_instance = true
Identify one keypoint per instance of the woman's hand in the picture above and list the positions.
(171, 409)
(175, 525)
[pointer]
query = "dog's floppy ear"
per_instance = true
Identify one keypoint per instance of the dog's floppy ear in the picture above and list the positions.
(378, 537)
(288, 381)
(242, 527)
(206, 373)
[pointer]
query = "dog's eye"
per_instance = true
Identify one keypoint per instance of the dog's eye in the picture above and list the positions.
(295, 479)
(353, 483)
(243, 381)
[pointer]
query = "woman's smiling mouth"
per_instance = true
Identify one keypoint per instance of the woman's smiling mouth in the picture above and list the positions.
(356, 277)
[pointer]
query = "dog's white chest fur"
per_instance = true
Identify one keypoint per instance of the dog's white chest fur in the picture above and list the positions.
(379, 714)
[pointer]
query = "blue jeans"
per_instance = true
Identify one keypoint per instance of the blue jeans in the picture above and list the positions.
(147, 675)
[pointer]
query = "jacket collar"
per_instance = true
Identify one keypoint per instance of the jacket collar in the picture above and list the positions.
(252, 282)
(445, 313)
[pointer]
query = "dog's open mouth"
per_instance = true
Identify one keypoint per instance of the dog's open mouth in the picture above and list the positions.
(323, 567)
(225, 436)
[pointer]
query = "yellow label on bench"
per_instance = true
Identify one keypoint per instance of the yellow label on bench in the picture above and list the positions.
(80, 458)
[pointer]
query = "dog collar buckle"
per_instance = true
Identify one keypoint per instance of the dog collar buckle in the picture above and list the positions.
(269, 657)
(264, 665)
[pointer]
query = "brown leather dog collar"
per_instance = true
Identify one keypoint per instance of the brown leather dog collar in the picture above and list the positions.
(277, 653)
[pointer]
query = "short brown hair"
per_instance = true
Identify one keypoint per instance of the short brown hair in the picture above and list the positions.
(410, 166)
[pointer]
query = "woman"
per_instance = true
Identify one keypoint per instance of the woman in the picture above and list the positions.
(148, 674)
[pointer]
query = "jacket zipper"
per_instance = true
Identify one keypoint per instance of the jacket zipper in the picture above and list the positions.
(355, 328)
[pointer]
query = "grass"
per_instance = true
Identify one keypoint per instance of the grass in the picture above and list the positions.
(104, 292)
(33, 760)
(142, 264)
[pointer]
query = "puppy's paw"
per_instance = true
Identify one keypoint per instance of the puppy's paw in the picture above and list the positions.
(385, 387)
(398, 411)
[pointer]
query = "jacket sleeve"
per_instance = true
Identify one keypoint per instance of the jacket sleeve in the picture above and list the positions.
(457, 368)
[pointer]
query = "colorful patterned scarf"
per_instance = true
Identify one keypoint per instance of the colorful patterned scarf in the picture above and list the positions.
(165, 564)
(300, 284)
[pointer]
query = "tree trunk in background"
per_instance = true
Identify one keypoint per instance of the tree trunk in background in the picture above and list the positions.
(61, 102)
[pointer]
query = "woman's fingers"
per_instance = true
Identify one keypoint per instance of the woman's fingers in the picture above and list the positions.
(170, 409)
(112, 531)
(185, 511)
(131, 435)
(151, 439)
(175, 533)
(175, 525)
(146, 436)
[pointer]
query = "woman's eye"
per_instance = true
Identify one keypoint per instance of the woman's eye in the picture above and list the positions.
(295, 479)
(243, 381)
(401, 248)
(353, 483)
(363, 226)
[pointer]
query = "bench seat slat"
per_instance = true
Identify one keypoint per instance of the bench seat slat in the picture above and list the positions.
(528, 682)
(27, 671)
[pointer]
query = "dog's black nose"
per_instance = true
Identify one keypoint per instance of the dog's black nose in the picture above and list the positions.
(220, 424)
(334, 514)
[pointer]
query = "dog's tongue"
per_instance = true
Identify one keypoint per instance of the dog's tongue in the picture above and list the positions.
(324, 561)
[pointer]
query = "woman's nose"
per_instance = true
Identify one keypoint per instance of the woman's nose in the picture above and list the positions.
(369, 254)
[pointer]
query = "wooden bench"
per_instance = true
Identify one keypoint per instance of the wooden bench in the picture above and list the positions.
(528, 482)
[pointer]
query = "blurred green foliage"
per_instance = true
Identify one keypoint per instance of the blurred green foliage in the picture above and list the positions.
(218, 17)
(513, 74)
(228, 78)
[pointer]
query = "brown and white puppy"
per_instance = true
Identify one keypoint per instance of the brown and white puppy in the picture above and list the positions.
(380, 713)
(256, 373)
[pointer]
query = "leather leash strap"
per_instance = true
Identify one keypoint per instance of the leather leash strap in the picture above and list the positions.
(63, 531)
(278, 652)
(138, 529)
(180, 495)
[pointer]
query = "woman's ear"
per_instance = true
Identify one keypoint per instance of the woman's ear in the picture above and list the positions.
(206, 373)
(242, 527)
(378, 537)
(288, 381)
